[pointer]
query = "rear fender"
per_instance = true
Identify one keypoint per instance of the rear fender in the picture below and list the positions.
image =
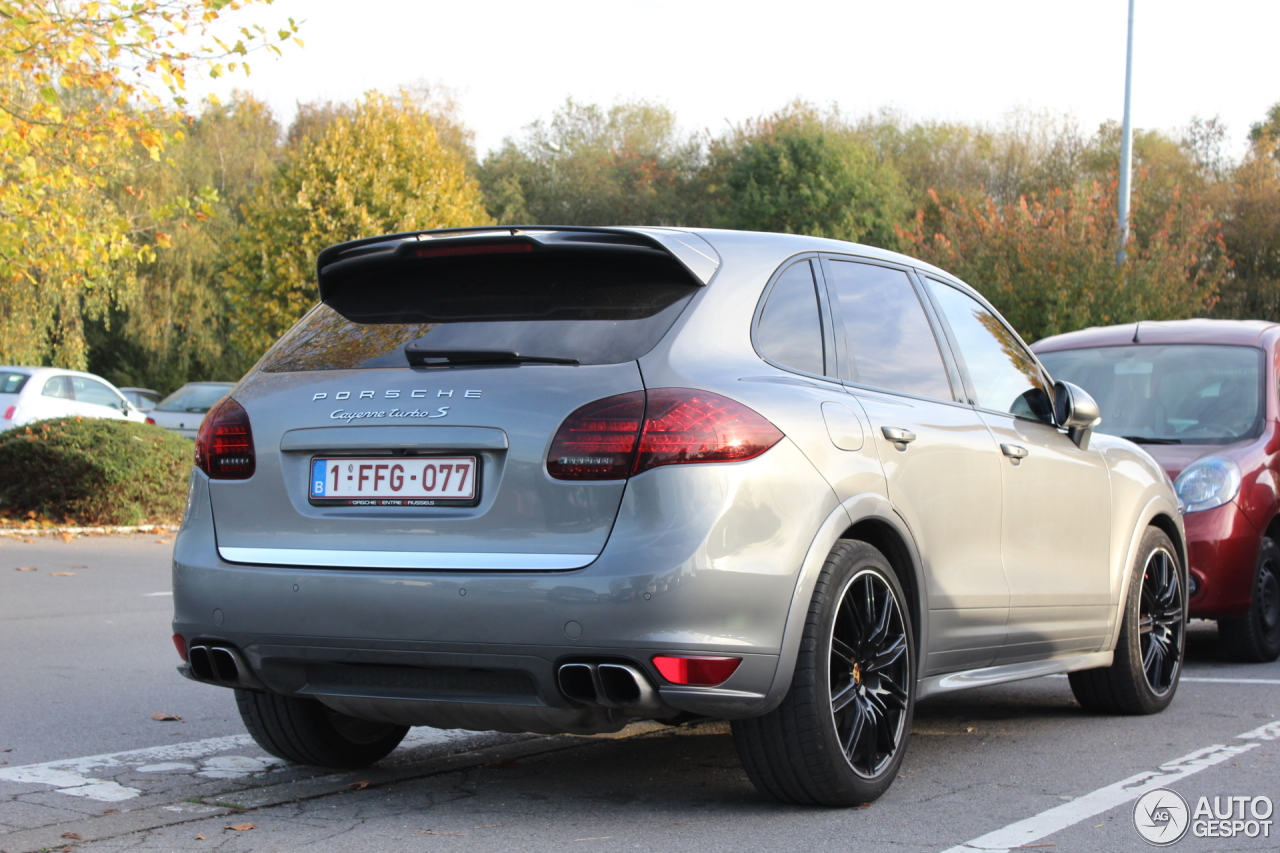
(859, 508)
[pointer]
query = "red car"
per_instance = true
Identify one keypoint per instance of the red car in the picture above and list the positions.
(1201, 397)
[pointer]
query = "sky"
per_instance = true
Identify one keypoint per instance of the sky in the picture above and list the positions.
(717, 63)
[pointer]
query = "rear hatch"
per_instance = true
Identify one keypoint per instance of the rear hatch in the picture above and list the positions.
(405, 422)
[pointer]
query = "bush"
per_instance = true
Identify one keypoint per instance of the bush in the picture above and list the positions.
(95, 471)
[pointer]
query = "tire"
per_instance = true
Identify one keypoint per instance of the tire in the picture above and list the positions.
(1255, 637)
(1148, 656)
(304, 731)
(839, 736)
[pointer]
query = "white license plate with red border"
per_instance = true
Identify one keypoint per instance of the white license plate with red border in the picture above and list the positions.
(394, 481)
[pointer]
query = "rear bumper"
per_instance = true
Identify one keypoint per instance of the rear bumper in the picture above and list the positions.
(703, 559)
(1223, 554)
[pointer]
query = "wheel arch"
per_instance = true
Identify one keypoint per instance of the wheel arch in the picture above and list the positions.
(872, 519)
(1160, 514)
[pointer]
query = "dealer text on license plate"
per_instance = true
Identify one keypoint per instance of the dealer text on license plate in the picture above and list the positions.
(398, 481)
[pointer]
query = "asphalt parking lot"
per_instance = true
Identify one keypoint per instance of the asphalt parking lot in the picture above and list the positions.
(88, 663)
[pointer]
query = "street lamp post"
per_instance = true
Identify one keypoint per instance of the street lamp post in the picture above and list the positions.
(1126, 145)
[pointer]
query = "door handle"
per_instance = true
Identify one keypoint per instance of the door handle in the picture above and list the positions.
(1014, 451)
(898, 435)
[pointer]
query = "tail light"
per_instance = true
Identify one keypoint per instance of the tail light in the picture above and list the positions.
(700, 670)
(180, 643)
(151, 421)
(224, 444)
(8, 413)
(616, 437)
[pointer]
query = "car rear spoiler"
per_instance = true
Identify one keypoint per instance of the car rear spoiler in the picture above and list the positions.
(692, 252)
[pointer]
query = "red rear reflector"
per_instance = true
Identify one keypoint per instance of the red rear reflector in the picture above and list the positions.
(180, 643)
(224, 444)
(151, 421)
(483, 249)
(598, 441)
(8, 413)
(682, 425)
(701, 670)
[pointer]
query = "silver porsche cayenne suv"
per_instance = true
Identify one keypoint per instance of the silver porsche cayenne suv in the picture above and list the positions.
(554, 479)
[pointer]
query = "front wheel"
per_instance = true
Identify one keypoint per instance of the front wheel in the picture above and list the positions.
(1255, 637)
(302, 730)
(839, 736)
(1148, 659)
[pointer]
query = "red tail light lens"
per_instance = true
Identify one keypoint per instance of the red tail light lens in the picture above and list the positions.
(151, 421)
(700, 670)
(598, 441)
(8, 413)
(180, 643)
(683, 425)
(224, 444)
(670, 426)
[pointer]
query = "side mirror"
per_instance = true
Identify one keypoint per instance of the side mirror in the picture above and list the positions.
(1076, 412)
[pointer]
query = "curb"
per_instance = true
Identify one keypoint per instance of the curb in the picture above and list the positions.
(20, 532)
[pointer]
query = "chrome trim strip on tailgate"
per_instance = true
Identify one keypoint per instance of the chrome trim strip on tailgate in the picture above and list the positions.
(404, 559)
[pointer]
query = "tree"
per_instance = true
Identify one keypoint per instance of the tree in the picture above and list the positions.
(627, 165)
(78, 94)
(801, 172)
(1050, 265)
(382, 169)
(1251, 233)
(172, 327)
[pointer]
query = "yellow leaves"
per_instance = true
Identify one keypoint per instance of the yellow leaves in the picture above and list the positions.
(163, 240)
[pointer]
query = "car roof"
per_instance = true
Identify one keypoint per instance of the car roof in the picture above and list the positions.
(1197, 331)
(45, 371)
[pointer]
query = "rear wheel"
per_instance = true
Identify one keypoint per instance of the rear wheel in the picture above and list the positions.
(839, 736)
(1255, 637)
(1148, 657)
(304, 731)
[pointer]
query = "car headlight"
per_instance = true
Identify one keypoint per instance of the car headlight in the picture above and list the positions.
(1207, 483)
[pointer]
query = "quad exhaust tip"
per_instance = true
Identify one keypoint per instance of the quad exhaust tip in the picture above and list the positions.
(220, 665)
(610, 685)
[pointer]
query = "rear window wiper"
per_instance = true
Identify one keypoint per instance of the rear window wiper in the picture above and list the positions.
(420, 356)
(1146, 439)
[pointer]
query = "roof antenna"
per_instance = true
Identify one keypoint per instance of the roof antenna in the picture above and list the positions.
(1136, 328)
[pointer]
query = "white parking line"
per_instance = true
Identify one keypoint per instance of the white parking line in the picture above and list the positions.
(1199, 680)
(1025, 832)
(71, 775)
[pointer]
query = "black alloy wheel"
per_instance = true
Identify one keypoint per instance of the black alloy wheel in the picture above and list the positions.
(1161, 621)
(1147, 660)
(839, 736)
(869, 674)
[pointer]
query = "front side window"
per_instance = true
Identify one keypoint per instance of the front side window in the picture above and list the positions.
(1170, 394)
(889, 341)
(790, 330)
(1005, 376)
(92, 391)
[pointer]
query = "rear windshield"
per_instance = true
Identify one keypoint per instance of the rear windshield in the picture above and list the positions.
(195, 399)
(1175, 394)
(594, 310)
(11, 383)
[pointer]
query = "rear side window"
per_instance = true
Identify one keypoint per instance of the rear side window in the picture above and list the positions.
(790, 330)
(11, 383)
(595, 308)
(58, 386)
(889, 341)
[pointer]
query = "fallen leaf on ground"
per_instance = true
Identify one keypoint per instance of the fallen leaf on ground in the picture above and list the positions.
(67, 537)
(241, 827)
(29, 541)
(110, 811)
(62, 574)
(77, 836)
(359, 786)
(199, 838)
(27, 569)
(165, 718)
(509, 762)
(164, 541)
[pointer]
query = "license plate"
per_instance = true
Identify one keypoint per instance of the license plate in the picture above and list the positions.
(398, 481)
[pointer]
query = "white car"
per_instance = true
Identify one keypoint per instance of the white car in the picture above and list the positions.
(36, 393)
(183, 410)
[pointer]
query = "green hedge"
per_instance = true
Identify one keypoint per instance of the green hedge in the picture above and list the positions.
(95, 471)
